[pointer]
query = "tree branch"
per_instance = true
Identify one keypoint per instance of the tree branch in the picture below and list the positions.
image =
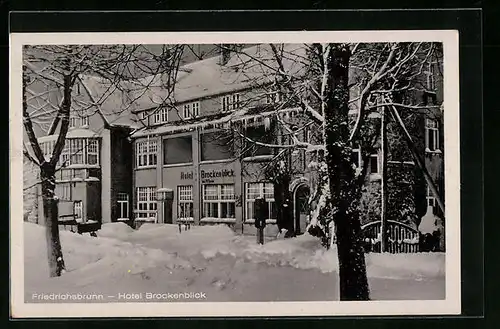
(28, 125)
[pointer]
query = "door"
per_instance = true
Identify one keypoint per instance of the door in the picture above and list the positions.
(167, 211)
(301, 208)
(78, 210)
(123, 206)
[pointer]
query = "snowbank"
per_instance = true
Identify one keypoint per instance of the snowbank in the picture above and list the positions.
(158, 257)
(117, 230)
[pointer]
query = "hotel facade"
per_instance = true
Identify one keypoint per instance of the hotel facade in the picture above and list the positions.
(205, 159)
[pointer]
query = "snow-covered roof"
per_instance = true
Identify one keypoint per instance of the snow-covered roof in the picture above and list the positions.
(247, 68)
(72, 133)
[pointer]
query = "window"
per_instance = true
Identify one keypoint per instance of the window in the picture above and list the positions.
(230, 102)
(273, 97)
(178, 150)
(79, 173)
(260, 190)
(64, 193)
(262, 134)
(161, 116)
(185, 202)
(191, 110)
(217, 145)
(431, 77)
(356, 156)
(142, 115)
(65, 155)
(146, 153)
(73, 121)
(76, 149)
(431, 135)
(146, 202)
(79, 151)
(219, 201)
(374, 168)
(92, 152)
(85, 121)
(431, 200)
(196, 109)
(78, 210)
(123, 205)
(47, 149)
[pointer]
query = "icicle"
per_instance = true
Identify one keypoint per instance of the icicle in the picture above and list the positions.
(267, 123)
(245, 123)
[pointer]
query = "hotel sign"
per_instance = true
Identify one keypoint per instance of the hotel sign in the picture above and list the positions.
(208, 176)
(217, 173)
(187, 175)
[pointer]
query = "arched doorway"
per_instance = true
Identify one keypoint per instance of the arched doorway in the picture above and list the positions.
(301, 208)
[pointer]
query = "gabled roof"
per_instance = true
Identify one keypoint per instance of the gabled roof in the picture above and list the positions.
(248, 68)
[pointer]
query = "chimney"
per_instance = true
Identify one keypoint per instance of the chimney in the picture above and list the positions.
(225, 53)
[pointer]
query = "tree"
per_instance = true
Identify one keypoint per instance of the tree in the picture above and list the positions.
(50, 73)
(326, 82)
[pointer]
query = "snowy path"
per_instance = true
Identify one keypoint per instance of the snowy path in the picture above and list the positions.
(215, 261)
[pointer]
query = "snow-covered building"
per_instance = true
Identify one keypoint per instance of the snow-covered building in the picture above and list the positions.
(203, 156)
(93, 171)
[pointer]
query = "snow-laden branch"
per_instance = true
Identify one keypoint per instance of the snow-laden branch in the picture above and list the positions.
(28, 126)
(367, 89)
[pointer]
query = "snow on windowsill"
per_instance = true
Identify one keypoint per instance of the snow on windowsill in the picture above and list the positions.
(177, 165)
(215, 161)
(81, 166)
(438, 151)
(145, 167)
(147, 220)
(217, 220)
(252, 221)
(122, 219)
(92, 179)
(258, 158)
(185, 220)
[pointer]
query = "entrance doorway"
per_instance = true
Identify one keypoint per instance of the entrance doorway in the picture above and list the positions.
(301, 208)
(167, 211)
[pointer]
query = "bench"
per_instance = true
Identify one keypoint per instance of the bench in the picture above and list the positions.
(77, 227)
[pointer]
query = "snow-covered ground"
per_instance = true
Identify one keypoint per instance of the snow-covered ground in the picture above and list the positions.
(216, 261)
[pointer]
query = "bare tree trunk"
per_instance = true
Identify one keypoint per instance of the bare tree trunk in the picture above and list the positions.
(50, 211)
(344, 186)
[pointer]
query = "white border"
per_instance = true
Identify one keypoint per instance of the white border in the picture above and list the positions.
(452, 303)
